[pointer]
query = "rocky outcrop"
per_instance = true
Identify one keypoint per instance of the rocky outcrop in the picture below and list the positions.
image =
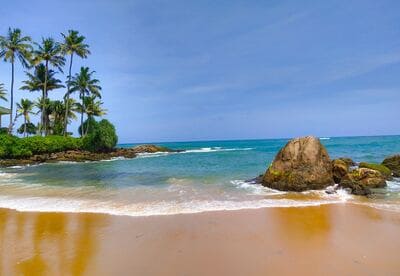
(385, 171)
(361, 180)
(340, 168)
(393, 163)
(303, 164)
(83, 156)
(151, 149)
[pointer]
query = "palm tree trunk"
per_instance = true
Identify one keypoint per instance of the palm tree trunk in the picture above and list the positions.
(44, 115)
(87, 124)
(82, 111)
(10, 127)
(67, 97)
(24, 125)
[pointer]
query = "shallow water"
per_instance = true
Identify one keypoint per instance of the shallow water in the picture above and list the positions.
(206, 176)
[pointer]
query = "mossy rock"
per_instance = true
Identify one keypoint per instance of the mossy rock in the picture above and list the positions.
(393, 163)
(385, 171)
(349, 162)
(361, 180)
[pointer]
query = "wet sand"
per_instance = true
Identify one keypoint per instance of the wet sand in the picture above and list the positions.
(341, 239)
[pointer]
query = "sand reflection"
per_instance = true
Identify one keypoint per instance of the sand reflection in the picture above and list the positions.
(48, 243)
(303, 224)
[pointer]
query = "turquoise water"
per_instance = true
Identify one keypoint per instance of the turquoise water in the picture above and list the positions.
(208, 175)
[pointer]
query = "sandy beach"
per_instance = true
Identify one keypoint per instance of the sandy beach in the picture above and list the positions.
(340, 239)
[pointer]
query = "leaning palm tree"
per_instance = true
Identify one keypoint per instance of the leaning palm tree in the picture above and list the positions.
(25, 108)
(15, 46)
(3, 92)
(48, 52)
(73, 45)
(36, 82)
(86, 85)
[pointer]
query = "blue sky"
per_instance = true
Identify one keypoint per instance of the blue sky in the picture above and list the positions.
(199, 70)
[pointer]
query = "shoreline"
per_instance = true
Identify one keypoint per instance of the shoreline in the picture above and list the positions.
(327, 239)
(80, 156)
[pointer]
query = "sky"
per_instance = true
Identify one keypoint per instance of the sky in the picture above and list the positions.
(216, 70)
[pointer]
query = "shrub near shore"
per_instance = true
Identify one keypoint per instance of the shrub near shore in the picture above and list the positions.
(101, 138)
(12, 147)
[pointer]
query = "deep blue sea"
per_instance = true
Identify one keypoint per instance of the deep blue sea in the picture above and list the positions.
(206, 176)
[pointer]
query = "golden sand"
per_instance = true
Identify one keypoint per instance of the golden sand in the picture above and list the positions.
(326, 240)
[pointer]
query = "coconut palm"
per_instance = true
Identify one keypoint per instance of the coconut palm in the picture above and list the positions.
(15, 46)
(25, 108)
(48, 52)
(73, 45)
(84, 83)
(93, 108)
(3, 92)
(36, 82)
(56, 112)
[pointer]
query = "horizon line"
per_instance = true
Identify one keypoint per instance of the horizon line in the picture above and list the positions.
(256, 139)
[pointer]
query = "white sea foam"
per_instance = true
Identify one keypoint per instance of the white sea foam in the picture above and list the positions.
(61, 204)
(324, 138)
(255, 188)
(215, 149)
(153, 154)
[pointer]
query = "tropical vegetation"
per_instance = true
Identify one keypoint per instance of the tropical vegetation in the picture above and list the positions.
(44, 64)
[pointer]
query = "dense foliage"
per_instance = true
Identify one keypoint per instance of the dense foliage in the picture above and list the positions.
(14, 147)
(44, 62)
(101, 137)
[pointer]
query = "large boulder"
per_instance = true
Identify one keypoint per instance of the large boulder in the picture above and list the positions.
(303, 164)
(361, 180)
(393, 163)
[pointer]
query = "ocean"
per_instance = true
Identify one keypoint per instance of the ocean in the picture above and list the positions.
(206, 176)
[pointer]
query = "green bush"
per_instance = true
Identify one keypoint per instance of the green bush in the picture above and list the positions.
(7, 142)
(92, 124)
(14, 147)
(102, 137)
(3, 130)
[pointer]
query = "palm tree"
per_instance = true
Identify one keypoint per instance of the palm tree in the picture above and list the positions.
(36, 82)
(73, 45)
(56, 111)
(92, 108)
(13, 46)
(86, 86)
(24, 108)
(3, 92)
(50, 53)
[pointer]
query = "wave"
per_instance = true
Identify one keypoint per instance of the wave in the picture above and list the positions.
(215, 149)
(324, 138)
(200, 150)
(60, 204)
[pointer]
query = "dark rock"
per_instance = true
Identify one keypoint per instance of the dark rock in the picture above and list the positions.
(393, 163)
(339, 169)
(303, 164)
(361, 180)
(349, 162)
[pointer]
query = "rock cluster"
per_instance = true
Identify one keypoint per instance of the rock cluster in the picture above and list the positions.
(304, 164)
